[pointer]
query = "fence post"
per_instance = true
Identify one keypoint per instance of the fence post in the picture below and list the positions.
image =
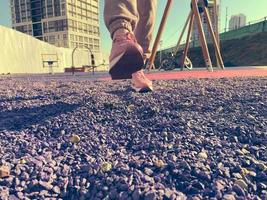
(264, 24)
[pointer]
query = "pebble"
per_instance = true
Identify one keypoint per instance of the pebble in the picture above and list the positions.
(203, 155)
(24, 176)
(56, 189)
(242, 184)
(22, 161)
(4, 192)
(159, 163)
(262, 186)
(13, 197)
(245, 151)
(262, 166)
(240, 191)
(113, 194)
(20, 195)
(148, 171)
(229, 197)
(150, 196)
(237, 175)
(148, 178)
(46, 185)
(185, 165)
(136, 194)
(130, 108)
(219, 185)
(44, 193)
(252, 173)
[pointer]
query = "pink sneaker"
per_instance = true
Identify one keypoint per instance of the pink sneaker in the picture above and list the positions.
(140, 83)
(126, 57)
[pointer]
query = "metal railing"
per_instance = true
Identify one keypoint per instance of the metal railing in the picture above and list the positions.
(255, 26)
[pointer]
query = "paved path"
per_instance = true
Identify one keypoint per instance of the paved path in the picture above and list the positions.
(202, 73)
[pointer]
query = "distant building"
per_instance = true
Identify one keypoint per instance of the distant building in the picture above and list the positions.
(214, 20)
(237, 21)
(64, 23)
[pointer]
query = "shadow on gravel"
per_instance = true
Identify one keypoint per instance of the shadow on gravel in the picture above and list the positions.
(124, 95)
(18, 119)
(21, 99)
(120, 92)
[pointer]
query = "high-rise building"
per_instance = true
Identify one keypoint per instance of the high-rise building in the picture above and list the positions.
(237, 21)
(64, 23)
(214, 17)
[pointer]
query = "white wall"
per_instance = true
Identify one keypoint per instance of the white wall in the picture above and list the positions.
(21, 53)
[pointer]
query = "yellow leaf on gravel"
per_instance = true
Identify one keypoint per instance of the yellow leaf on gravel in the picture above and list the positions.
(106, 167)
(75, 138)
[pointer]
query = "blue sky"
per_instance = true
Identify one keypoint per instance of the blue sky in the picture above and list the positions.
(253, 9)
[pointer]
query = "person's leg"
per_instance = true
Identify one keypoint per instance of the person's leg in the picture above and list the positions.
(145, 26)
(143, 33)
(126, 54)
(120, 15)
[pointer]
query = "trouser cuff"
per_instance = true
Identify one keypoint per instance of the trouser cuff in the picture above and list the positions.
(118, 24)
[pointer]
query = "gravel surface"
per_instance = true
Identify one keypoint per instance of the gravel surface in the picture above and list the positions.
(82, 139)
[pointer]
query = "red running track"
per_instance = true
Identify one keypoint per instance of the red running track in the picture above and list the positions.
(227, 73)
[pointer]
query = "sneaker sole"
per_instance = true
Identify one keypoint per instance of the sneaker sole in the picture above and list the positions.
(142, 90)
(127, 64)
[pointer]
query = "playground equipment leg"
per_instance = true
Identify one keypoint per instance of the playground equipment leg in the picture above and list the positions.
(157, 40)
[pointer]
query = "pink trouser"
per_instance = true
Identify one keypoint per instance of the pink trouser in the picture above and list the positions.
(137, 16)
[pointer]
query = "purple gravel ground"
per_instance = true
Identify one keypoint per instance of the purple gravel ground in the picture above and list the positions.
(194, 139)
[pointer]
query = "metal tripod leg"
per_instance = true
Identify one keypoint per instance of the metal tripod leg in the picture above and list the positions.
(157, 40)
(216, 31)
(182, 34)
(202, 38)
(214, 39)
(190, 28)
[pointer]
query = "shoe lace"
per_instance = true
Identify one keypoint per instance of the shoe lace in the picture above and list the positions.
(128, 36)
(140, 74)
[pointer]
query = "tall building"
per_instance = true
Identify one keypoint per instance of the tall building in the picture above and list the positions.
(64, 23)
(237, 21)
(214, 20)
